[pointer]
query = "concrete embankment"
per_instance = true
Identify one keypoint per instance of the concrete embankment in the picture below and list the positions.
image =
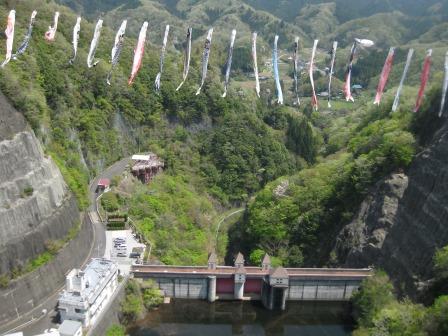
(23, 297)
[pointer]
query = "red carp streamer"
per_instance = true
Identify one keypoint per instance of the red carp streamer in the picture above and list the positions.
(51, 33)
(384, 75)
(138, 53)
(424, 79)
(9, 32)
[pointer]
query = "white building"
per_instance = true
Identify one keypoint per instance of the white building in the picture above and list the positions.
(88, 292)
(70, 328)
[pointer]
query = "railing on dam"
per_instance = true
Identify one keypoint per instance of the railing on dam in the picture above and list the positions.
(273, 286)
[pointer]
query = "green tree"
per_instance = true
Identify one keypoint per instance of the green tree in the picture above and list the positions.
(115, 330)
(300, 138)
(441, 263)
(375, 293)
(256, 256)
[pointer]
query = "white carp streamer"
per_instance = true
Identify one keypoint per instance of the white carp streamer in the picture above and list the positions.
(333, 58)
(75, 40)
(314, 97)
(296, 69)
(254, 58)
(403, 78)
(51, 33)
(365, 43)
(94, 44)
(9, 32)
(187, 58)
(445, 86)
(26, 40)
(162, 57)
(138, 53)
(276, 76)
(116, 49)
(229, 62)
(384, 75)
(205, 57)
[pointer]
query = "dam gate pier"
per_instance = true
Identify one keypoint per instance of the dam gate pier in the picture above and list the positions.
(273, 286)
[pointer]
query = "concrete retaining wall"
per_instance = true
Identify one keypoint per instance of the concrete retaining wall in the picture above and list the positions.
(28, 292)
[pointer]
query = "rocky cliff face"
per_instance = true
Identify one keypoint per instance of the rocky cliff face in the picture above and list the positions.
(403, 220)
(35, 203)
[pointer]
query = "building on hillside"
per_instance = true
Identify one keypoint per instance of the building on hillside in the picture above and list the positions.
(88, 292)
(146, 166)
(103, 185)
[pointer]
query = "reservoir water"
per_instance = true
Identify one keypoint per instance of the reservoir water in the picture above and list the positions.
(185, 318)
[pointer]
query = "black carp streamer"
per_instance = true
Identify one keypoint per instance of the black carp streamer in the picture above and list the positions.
(205, 57)
(26, 40)
(116, 49)
(229, 62)
(162, 58)
(187, 58)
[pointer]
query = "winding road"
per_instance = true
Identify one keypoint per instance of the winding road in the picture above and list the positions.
(32, 327)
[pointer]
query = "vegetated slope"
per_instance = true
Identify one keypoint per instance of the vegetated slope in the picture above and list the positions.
(201, 15)
(401, 223)
(86, 125)
(347, 10)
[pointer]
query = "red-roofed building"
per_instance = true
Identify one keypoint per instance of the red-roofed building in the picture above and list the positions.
(103, 185)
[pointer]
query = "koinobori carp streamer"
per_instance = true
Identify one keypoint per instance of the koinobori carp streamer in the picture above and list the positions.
(116, 49)
(50, 34)
(276, 74)
(445, 86)
(94, 44)
(364, 43)
(187, 58)
(229, 62)
(296, 69)
(330, 75)
(254, 58)
(162, 58)
(26, 40)
(403, 78)
(314, 97)
(423, 79)
(205, 57)
(138, 53)
(384, 75)
(9, 32)
(76, 30)
(348, 74)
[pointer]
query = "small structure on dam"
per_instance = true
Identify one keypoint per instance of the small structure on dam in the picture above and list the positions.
(272, 285)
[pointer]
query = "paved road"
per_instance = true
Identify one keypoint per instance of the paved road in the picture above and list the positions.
(98, 248)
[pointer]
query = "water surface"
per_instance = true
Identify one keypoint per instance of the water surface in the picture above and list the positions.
(191, 318)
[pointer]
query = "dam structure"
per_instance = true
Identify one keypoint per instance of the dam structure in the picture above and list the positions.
(274, 286)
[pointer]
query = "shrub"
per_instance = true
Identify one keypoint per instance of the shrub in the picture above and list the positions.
(115, 330)
(4, 281)
(26, 192)
(375, 293)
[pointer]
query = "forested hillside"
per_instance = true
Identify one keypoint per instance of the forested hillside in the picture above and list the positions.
(300, 174)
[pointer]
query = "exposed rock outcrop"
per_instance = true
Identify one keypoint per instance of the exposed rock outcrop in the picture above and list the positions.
(403, 220)
(35, 203)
